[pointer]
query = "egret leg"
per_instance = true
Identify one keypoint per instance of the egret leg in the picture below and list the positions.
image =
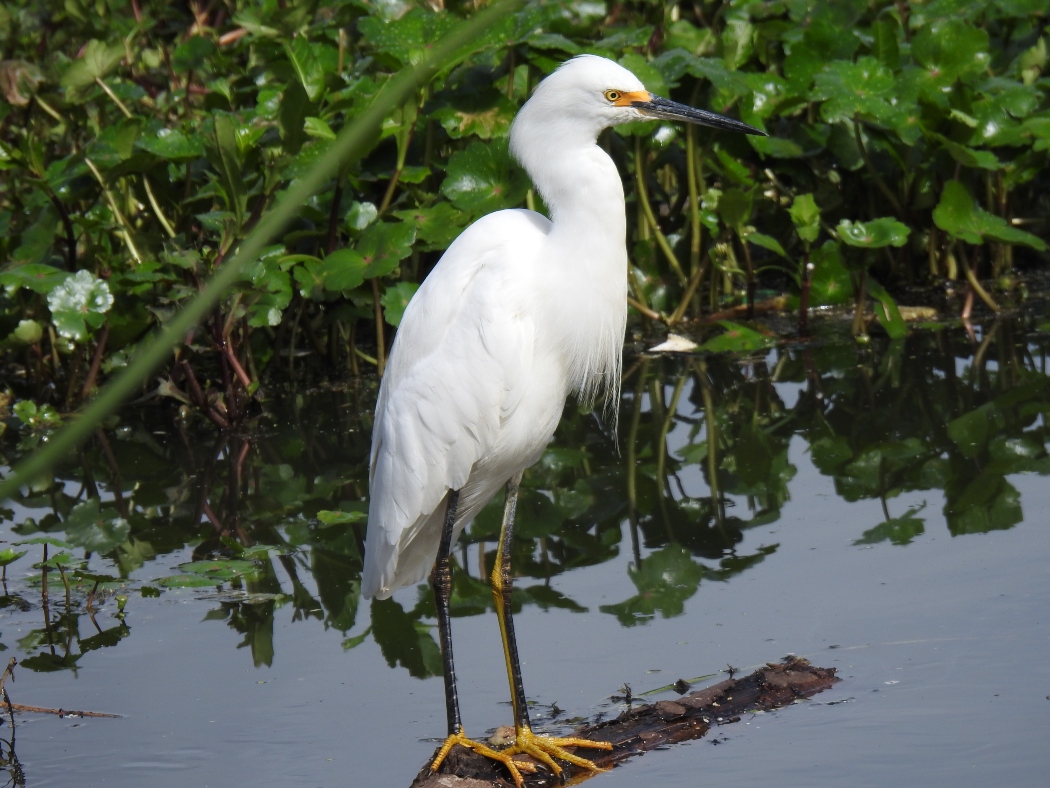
(441, 582)
(542, 748)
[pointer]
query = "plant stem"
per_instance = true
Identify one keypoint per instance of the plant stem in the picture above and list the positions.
(156, 209)
(665, 427)
(803, 304)
(649, 313)
(750, 297)
(692, 171)
(690, 288)
(870, 165)
(67, 224)
(96, 361)
(333, 217)
(976, 285)
(858, 312)
(712, 441)
(113, 97)
(380, 338)
(125, 227)
(647, 210)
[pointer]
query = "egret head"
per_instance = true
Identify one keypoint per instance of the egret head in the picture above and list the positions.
(588, 94)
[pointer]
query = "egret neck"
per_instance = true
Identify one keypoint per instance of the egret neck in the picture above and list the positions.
(584, 273)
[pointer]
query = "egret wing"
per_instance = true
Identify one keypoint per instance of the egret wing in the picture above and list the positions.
(457, 371)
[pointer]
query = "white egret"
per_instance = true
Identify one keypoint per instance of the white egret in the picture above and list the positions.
(520, 311)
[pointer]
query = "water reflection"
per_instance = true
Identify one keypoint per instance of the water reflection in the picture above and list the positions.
(275, 518)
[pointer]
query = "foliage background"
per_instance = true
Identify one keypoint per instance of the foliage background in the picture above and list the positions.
(141, 141)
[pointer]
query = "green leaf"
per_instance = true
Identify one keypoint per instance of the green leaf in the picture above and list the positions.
(9, 556)
(405, 39)
(436, 226)
(972, 432)
(849, 89)
(898, 530)
(330, 517)
(186, 581)
(54, 541)
(666, 579)
(950, 49)
(272, 287)
(95, 529)
(360, 215)
(484, 123)
(737, 40)
(830, 282)
(224, 155)
(219, 571)
(734, 206)
(343, 269)
(383, 245)
(886, 311)
(356, 640)
(554, 41)
(829, 454)
(483, 178)
(402, 642)
(694, 40)
(884, 42)
(969, 157)
(192, 54)
(989, 503)
(38, 278)
(874, 234)
(98, 60)
(171, 144)
(737, 339)
(766, 242)
(79, 304)
(28, 332)
(295, 105)
(57, 561)
(315, 127)
(34, 417)
(960, 217)
(806, 217)
(395, 299)
(306, 65)
(38, 239)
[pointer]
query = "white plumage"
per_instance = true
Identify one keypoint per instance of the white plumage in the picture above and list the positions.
(518, 312)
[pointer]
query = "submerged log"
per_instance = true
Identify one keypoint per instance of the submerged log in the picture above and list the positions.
(642, 728)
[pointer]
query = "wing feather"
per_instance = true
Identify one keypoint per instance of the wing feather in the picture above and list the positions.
(457, 372)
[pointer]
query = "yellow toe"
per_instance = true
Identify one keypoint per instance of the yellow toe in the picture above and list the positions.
(506, 756)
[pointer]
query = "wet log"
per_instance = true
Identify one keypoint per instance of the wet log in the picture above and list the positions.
(640, 729)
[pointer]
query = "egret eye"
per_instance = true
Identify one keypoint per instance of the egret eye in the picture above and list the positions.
(613, 95)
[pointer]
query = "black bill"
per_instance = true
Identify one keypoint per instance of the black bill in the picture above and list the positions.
(666, 109)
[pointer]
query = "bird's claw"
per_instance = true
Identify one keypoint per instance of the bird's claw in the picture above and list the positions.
(546, 748)
(543, 748)
(506, 757)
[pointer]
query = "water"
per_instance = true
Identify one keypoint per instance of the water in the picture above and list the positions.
(882, 511)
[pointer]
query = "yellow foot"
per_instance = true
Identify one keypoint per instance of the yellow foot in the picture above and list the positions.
(506, 757)
(547, 748)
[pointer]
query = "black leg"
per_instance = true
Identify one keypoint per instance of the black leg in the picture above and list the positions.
(441, 582)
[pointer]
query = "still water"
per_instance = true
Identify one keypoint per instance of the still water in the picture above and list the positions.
(881, 510)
